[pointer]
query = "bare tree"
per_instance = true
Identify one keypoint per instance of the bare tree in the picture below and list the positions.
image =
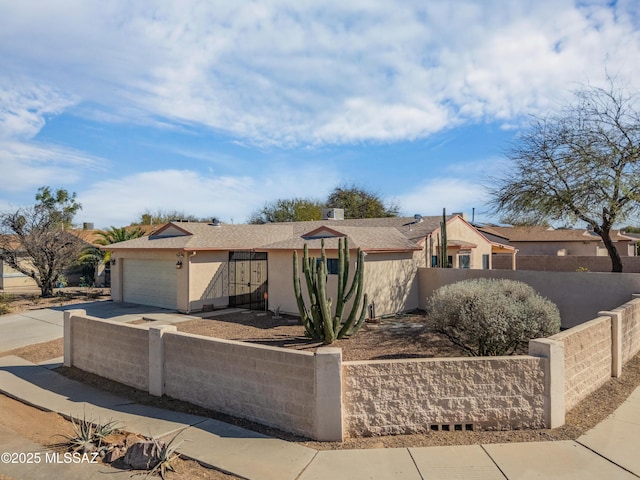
(581, 163)
(36, 241)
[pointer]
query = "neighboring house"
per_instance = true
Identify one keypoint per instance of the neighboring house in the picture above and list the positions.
(539, 240)
(11, 279)
(548, 248)
(194, 266)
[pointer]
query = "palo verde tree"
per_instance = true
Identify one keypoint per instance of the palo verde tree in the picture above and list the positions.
(581, 163)
(36, 240)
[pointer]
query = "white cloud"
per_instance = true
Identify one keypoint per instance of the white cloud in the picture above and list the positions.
(306, 72)
(231, 198)
(454, 194)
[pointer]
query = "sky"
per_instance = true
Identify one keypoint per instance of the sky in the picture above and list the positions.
(214, 108)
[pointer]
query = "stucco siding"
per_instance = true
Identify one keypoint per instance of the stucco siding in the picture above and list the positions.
(208, 280)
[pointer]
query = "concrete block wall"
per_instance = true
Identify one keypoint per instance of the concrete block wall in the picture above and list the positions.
(110, 349)
(587, 358)
(415, 396)
(630, 329)
(569, 263)
(272, 386)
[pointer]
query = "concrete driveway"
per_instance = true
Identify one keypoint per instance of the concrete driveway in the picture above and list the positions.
(37, 326)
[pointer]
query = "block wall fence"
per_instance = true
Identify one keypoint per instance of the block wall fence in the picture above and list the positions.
(319, 396)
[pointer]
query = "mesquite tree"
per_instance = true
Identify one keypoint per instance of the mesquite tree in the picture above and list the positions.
(36, 241)
(580, 164)
(319, 322)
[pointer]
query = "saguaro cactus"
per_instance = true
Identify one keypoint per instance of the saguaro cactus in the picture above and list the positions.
(318, 320)
(443, 258)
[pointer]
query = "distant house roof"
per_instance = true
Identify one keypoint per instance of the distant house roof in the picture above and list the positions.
(547, 234)
(370, 234)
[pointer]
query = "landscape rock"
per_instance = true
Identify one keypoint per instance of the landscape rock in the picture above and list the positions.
(142, 455)
(114, 454)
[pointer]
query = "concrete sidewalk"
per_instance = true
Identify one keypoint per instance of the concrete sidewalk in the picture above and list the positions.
(37, 326)
(609, 451)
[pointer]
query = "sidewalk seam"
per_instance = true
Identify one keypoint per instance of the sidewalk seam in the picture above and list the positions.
(606, 458)
(494, 462)
(307, 465)
(415, 464)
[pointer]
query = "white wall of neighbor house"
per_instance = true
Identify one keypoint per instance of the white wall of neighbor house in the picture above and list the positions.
(208, 279)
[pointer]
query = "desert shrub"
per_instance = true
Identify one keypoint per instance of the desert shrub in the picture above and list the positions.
(492, 316)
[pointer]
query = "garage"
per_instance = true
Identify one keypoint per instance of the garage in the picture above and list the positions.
(150, 282)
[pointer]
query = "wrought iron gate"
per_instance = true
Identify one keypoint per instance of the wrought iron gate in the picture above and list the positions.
(248, 279)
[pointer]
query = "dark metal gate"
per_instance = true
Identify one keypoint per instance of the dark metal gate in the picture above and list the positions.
(248, 279)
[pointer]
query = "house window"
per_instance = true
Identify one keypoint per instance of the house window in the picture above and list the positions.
(485, 261)
(434, 261)
(464, 261)
(332, 265)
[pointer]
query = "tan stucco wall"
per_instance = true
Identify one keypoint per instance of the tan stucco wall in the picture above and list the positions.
(208, 279)
(578, 295)
(12, 279)
(390, 280)
(572, 248)
(457, 229)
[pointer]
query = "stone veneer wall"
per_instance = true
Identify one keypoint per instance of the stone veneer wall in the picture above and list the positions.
(587, 358)
(112, 350)
(630, 329)
(414, 396)
(272, 386)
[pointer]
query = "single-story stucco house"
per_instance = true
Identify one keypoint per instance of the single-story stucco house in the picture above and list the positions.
(541, 240)
(191, 267)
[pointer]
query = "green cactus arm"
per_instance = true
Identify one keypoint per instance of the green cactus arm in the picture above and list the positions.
(305, 316)
(324, 304)
(342, 280)
(358, 281)
(363, 314)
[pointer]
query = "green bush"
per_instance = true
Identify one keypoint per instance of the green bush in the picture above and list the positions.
(492, 316)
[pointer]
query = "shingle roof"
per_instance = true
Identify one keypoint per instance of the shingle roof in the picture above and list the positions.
(391, 234)
(547, 234)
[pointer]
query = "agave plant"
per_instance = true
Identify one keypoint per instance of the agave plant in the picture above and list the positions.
(165, 453)
(87, 434)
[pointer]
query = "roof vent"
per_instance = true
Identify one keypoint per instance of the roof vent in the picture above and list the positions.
(333, 213)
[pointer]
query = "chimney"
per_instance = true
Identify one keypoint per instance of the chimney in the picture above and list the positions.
(333, 213)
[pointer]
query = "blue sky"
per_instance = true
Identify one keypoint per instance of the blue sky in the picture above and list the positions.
(214, 108)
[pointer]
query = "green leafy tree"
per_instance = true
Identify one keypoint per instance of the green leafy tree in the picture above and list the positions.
(288, 210)
(360, 203)
(36, 242)
(159, 217)
(92, 256)
(581, 163)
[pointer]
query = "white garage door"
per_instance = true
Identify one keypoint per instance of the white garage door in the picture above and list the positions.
(150, 282)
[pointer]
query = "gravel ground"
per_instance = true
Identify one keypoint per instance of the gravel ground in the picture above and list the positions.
(401, 337)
